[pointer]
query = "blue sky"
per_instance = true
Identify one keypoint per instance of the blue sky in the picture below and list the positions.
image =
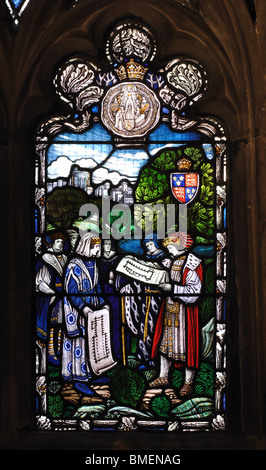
(94, 148)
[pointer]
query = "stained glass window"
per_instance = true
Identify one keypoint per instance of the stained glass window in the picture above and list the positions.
(130, 247)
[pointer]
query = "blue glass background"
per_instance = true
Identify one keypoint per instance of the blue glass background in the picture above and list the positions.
(17, 3)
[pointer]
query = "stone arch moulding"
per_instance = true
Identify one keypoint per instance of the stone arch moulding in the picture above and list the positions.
(179, 29)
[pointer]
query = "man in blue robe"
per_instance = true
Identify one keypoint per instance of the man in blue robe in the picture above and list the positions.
(109, 261)
(83, 294)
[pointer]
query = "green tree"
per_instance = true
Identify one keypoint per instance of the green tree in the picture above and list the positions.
(63, 206)
(154, 187)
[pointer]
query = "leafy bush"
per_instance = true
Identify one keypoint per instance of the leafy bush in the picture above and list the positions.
(177, 378)
(161, 406)
(205, 381)
(63, 206)
(127, 387)
(55, 405)
(207, 308)
(153, 185)
(154, 188)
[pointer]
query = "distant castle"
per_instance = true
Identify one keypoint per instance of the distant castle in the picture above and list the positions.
(122, 194)
(80, 178)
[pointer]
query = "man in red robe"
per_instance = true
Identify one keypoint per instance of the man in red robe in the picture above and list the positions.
(176, 337)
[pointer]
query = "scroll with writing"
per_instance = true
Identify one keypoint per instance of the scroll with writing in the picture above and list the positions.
(142, 271)
(99, 341)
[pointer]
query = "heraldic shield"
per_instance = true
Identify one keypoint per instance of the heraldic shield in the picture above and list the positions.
(184, 186)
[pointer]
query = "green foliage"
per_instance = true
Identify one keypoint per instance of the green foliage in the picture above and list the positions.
(205, 381)
(161, 406)
(154, 179)
(195, 155)
(69, 412)
(201, 219)
(55, 406)
(207, 184)
(166, 161)
(209, 279)
(207, 308)
(177, 378)
(154, 186)
(151, 216)
(53, 371)
(63, 206)
(201, 213)
(127, 387)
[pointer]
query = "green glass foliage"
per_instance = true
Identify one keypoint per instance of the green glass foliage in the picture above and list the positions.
(55, 405)
(63, 206)
(154, 179)
(153, 185)
(69, 412)
(177, 378)
(207, 308)
(151, 216)
(201, 219)
(209, 278)
(127, 387)
(154, 188)
(161, 406)
(201, 213)
(205, 381)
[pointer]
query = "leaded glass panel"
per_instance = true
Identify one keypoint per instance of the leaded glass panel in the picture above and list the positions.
(130, 247)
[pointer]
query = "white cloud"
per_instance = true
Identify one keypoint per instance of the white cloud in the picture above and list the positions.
(86, 163)
(98, 152)
(61, 167)
(154, 148)
(102, 174)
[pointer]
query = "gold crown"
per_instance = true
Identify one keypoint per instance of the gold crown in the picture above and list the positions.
(132, 70)
(95, 241)
(184, 164)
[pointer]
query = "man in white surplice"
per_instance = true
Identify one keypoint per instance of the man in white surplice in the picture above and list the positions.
(49, 288)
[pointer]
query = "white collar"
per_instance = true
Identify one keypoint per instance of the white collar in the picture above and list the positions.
(51, 258)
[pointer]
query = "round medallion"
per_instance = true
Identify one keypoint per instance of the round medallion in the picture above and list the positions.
(129, 39)
(130, 109)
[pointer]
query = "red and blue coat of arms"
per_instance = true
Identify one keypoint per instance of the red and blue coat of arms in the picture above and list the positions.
(184, 186)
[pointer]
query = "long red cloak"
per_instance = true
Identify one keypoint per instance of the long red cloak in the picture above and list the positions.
(192, 333)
